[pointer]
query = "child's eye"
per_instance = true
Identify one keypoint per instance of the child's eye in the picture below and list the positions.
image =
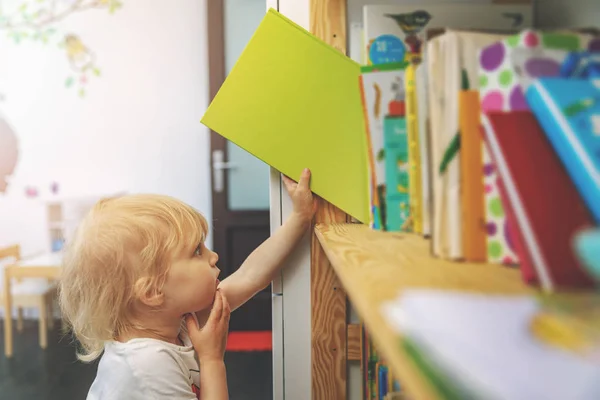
(198, 251)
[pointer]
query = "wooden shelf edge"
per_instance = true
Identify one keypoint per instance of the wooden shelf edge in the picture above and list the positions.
(375, 267)
(409, 376)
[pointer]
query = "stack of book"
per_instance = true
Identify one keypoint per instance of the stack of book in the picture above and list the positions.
(483, 135)
(486, 142)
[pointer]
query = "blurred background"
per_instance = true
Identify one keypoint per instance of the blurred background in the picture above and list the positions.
(104, 97)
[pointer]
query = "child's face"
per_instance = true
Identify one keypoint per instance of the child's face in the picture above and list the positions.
(192, 280)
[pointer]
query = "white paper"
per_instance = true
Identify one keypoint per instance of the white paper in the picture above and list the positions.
(484, 342)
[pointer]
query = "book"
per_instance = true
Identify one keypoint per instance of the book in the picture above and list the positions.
(383, 99)
(526, 264)
(457, 51)
(500, 90)
(397, 173)
(415, 191)
(365, 363)
(483, 346)
(294, 102)
(569, 112)
(471, 174)
(424, 146)
(548, 210)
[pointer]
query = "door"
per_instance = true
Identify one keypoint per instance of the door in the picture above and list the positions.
(240, 182)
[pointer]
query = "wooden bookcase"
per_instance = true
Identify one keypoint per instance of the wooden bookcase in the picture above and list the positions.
(345, 266)
(331, 334)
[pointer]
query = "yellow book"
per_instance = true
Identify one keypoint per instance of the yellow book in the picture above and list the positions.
(415, 191)
(294, 102)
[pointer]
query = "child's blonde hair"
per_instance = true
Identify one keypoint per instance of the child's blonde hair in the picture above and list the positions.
(121, 244)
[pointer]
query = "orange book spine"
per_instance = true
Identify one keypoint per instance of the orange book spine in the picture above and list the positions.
(374, 205)
(471, 159)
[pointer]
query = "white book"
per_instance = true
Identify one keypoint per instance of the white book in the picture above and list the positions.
(497, 347)
(457, 52)
(424, 145)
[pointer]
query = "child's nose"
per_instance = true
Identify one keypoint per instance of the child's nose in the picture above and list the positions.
(215, 259)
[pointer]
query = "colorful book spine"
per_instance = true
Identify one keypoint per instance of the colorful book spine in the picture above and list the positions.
(383, 98)
(414, 152)
(378, 379)
(365, 363)
(397, 173)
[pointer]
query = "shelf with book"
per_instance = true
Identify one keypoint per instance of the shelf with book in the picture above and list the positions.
(375, 266)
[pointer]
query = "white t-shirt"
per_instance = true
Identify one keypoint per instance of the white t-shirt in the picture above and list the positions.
(147, 369)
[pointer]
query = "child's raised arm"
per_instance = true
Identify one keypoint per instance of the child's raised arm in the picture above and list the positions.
(260, 267)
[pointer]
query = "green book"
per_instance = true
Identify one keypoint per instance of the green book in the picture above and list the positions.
(294, 102)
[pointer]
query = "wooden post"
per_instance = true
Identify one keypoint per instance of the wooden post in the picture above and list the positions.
(328, 299)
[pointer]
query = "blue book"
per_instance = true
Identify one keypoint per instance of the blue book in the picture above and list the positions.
(569, 112)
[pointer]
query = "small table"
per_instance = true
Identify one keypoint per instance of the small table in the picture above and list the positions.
(42, 266)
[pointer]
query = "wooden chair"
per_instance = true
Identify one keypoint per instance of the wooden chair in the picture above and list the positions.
(31, 293)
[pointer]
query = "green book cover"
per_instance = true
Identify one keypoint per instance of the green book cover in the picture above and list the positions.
(294, 102)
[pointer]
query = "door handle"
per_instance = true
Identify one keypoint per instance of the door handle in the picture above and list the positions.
(218, 166)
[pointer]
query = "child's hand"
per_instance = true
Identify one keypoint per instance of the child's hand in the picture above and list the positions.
(304, 203)
(210, 341)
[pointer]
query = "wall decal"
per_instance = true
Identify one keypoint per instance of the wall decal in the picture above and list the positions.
(39, 21)
(81, 61)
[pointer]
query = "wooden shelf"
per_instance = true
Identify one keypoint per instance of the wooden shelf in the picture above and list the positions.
(375, 267)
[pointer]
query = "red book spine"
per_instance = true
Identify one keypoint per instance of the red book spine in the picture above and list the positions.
(545, 205)
(526, 266)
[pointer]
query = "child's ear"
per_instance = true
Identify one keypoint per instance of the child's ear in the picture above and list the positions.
(147, 293)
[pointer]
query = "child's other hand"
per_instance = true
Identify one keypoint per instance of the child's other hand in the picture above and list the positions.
(210, 340)
(305, 204)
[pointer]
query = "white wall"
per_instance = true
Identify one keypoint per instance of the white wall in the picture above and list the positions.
(137, 129)
(567, 13)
